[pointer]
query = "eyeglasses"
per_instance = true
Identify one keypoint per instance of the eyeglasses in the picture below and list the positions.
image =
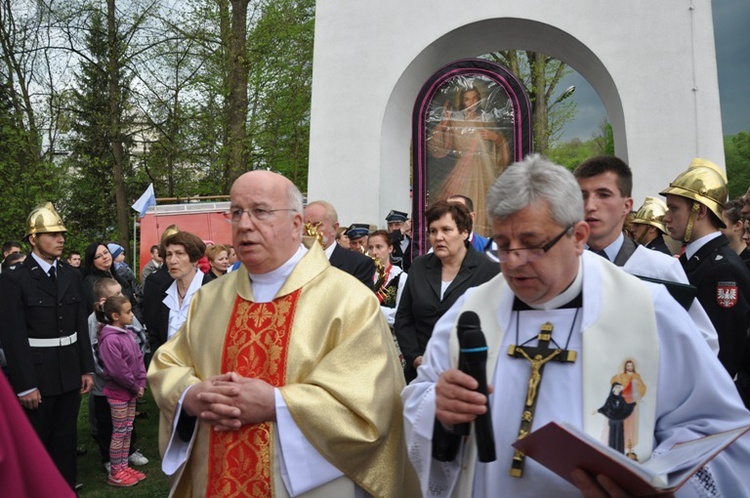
(101, 254)
(531, 253)
(259, 214)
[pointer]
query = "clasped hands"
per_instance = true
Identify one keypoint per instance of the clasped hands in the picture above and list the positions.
(229, 401)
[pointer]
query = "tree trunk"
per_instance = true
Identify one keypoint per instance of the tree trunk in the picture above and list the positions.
(115, 133)
(537, 66)
(238, 100)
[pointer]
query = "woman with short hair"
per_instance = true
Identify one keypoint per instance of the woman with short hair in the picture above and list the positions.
(181, 252)
(436, 280)
(218, 258)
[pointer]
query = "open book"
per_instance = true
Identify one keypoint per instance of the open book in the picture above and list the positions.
(563, 448)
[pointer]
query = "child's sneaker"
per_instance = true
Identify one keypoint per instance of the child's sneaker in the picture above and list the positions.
(137, 458)
(138, 475)
(122, 479)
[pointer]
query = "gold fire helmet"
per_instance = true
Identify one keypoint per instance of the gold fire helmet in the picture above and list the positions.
(44, 219)
(705, 163)
(169, 231)
(652, 213)
(703, 182)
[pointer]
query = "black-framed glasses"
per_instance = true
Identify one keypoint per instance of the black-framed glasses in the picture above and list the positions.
(531, 253)
(101, 254)
(259, 214)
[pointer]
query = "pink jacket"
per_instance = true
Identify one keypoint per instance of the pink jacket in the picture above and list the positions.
(123, 363)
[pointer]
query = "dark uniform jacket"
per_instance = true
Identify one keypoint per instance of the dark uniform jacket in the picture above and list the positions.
(420, 306)
(723, 283)
(153, 315)
(400, 257)
(658, 244)
(354, 263)
(745, 257)
(31, 307)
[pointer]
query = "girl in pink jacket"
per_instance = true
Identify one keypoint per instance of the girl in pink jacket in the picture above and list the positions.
(125, 376)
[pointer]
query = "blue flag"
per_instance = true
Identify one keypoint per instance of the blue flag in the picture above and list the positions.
(145, 201)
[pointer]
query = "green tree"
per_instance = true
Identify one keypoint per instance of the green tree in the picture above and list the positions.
(91, 203)
(278, 65)
(573, 152)
(737, 155)
(541, 74)
(26, 174)
(281, 46)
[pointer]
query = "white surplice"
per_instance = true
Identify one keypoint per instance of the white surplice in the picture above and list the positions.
(695, 397)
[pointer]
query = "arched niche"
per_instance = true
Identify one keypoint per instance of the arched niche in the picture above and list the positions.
(475, 39)
(653, 66)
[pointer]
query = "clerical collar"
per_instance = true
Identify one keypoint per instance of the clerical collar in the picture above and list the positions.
(266, 285)
(695, 245)
(614, 247)
(569, 298)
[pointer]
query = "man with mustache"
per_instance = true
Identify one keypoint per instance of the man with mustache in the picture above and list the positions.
(584, 317)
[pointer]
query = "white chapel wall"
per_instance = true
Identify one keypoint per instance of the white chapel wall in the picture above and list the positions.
(653, 65)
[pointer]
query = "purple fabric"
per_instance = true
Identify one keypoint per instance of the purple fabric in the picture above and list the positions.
(25, 466)
(123, 363)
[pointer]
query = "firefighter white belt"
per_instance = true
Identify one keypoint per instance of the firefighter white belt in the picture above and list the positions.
(53, 343)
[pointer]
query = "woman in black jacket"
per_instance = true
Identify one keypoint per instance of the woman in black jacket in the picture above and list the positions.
(436, 280)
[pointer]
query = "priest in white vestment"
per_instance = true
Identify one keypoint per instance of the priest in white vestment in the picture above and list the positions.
(284, 379)
(596, 310)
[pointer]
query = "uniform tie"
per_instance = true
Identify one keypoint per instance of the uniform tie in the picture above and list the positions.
(600, 252)
(52, 274)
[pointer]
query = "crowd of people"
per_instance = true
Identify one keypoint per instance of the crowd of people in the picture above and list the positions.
(311, 359)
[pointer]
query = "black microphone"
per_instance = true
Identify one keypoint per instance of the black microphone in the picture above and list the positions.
(467, 321)
(446, 441)
(473, 355)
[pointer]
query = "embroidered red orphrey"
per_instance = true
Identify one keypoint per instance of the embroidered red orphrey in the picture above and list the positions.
(256, 343)
(726, 294)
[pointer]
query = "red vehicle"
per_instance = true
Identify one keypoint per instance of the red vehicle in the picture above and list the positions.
(204, 219)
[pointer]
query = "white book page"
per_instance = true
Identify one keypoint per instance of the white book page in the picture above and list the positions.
(686, 457)
(670, 468)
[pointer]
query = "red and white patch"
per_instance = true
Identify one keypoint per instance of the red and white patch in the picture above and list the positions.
(726, 294)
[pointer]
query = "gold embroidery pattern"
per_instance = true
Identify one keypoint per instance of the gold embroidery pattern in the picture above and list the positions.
(255, 346)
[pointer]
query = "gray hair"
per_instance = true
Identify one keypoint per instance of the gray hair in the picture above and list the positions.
(533, 179)
(331, 213)
(295, 197)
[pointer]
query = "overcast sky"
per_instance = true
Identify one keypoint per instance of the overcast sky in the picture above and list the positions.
(732, 33)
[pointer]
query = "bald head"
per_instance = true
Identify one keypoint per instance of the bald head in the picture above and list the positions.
(272, 181)
(323, 215)
(267, 220)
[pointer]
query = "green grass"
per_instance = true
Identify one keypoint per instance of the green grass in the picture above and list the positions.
(91, 472)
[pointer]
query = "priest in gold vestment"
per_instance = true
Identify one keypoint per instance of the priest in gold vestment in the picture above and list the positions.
(284, 380)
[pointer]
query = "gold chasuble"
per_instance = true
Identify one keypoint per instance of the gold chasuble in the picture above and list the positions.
(324, 344)
(255, 346)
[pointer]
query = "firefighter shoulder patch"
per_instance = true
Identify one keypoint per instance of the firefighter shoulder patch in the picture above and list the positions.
(727, 294)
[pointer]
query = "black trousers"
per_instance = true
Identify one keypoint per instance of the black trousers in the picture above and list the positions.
(56, 424)
(103, 436)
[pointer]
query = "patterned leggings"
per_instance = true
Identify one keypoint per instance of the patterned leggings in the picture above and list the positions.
(123, 413)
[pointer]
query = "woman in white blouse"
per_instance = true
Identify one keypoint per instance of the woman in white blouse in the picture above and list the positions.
(182, 251)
